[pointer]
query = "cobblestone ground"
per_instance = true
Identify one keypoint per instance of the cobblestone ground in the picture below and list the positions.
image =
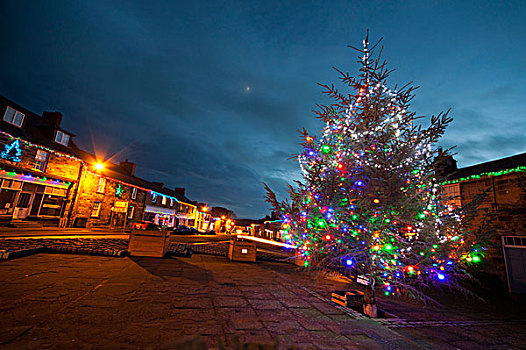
(75, 301)
(13, 248)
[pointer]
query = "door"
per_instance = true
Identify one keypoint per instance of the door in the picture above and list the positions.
(22, 206)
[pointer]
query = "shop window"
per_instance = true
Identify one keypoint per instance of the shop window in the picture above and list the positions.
(12, 116)
(51, 205)
(62, 138)
(131, 211)
(102, 185)
(134, 193)
(95, 212)
(12, 184)
(41, 160)
(55, 191)
(7, 198)
(164, 200)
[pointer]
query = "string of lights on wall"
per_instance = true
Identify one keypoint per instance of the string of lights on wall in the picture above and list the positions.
(33, 178)
(519, 169)
(16, 155)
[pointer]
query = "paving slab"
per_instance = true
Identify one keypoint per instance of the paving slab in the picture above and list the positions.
(108, 302)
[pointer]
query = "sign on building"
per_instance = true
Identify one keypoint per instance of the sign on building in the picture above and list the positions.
(120, 207)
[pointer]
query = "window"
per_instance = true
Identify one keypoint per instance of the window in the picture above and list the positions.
(41, 160)
(62, 138)
(12, 116)
(164, 200)
(451, 195)
(131, 210)
(96, 210)
(134, 193)
(102, 185)
(11, 184)
(55, 191)
(154, 197)
(171, 202)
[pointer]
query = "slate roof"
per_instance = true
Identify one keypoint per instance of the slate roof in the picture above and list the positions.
(34, 129)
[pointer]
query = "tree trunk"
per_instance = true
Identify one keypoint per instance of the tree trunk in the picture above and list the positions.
(369, 300)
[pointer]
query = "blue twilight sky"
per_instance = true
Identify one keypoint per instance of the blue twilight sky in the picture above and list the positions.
(209, 95)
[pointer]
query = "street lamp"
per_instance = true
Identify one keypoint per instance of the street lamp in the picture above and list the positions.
(99, 166)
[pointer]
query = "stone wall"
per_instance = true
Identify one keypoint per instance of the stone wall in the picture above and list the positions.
(505, 206)
(88, 195)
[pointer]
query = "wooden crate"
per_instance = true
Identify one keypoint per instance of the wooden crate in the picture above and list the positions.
(351, 298)
(242, 250)
(149, 243)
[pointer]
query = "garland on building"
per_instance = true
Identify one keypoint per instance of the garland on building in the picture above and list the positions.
(56, 153)
(519, 169)
(369, 203)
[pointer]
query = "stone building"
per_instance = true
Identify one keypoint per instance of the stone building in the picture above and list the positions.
(45, 177)
(503, 185)
(38, 166)
(108, 196)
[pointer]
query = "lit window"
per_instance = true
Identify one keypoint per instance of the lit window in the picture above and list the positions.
(102, 185)
(451, 195)
(62, 138)
(96, 210)
(131, 210)
(134, 193)
(41, 160)
(154, 197)
(12, 116)
(171, 202)
(164, 200)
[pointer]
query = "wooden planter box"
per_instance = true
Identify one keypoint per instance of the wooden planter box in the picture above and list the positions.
(353, 298)
(242, 250)
(149, 243)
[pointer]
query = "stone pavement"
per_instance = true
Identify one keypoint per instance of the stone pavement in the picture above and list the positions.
(73, 301)
(91, 302)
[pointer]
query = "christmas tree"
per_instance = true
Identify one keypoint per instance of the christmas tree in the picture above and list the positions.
(369, 202)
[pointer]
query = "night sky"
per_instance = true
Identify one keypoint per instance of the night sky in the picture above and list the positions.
(209, 95)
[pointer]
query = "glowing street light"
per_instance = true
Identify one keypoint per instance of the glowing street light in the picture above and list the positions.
(99, 166)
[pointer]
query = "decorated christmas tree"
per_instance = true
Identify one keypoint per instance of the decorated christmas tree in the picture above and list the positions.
(369, 202)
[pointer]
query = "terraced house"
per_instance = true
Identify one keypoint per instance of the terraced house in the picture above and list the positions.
(46, 178)
(38, 166)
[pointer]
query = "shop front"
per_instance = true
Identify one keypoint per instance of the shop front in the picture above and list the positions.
(29, 197)
(164, 217)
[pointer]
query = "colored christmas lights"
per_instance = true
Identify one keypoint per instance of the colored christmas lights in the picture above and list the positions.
(12, 152)
(369, 202)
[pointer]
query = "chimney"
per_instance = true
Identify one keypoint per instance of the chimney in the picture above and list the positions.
(160, 184)
(128, 167)
(53, 118)
(180, 190)
(445, 164)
